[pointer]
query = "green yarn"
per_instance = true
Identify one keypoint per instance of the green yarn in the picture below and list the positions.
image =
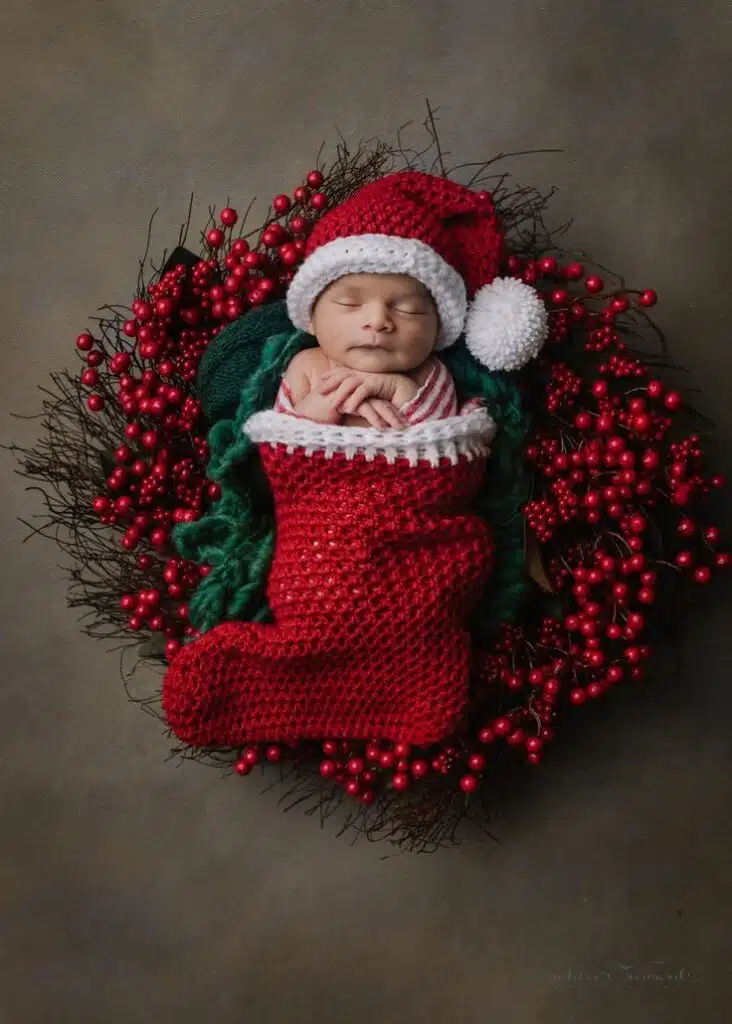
(235, 356)
(236, 536)
(505, 488)
(240, 375)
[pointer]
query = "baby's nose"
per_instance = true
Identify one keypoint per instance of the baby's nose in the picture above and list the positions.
(377, 317)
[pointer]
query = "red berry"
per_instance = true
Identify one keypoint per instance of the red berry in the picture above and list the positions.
(215, 237)
(356, 765)
(229, 216)
(419, 769)
(650, 459)
(242, 767)
(95, 403)
(711, 535)
(578, 695)
(476, 762)
(468, 783)
(594, 284)
(400, 781)
(84, 342)
(289, 254)
(120, 363)
(319, 201)
(574, 271)
(274, 753)
(648, 298)
(672, 401)
(642, 423)
(315, 179)
(703, 574)
(281, 205)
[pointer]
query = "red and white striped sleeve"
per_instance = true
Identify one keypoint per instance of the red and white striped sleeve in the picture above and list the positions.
(435, 400)
(285, 399)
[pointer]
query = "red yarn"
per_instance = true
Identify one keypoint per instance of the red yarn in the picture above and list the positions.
(376, 568)
(458, 223)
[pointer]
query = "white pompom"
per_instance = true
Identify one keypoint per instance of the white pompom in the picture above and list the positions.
(506, 324)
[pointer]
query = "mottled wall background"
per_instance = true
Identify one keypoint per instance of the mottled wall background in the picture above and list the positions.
(132, 890)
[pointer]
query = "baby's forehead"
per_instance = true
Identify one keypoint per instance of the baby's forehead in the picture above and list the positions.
(380, 283)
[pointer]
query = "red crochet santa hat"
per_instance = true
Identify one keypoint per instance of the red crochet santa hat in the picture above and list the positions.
(444, 235)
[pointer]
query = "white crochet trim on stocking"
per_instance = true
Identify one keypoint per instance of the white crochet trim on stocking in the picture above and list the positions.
(467, 435)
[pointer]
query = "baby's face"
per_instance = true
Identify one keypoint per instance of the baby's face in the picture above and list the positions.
(376, 323)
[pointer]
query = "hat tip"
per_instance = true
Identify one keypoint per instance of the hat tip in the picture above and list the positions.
(506, 325)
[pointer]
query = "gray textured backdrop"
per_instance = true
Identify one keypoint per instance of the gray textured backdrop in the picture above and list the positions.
(132, 890)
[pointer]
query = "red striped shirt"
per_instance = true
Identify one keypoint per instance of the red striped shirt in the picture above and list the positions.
(435, 400)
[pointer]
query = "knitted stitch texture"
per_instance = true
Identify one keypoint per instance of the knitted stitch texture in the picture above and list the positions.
(236, 536)
(235, 356)
(377, 565)
(436, 230)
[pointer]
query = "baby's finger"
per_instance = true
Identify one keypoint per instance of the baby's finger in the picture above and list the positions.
(344, 391)
(388, 413)
(330, 380)
(357, 398)
(329, 383)
(369, 413)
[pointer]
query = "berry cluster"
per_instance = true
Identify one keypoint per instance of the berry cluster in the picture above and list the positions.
(611, 478)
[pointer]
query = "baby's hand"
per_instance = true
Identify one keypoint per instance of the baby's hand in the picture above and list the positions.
(324, 405)
(374, 397)
(380, 414)
(386, 387)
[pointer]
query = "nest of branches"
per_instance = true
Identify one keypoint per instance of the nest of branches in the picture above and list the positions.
(621, 505)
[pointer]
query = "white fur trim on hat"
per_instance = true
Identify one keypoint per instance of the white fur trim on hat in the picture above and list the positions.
(506, 324)
(380, 254)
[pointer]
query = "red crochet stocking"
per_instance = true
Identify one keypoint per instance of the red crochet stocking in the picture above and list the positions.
(378, 562)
